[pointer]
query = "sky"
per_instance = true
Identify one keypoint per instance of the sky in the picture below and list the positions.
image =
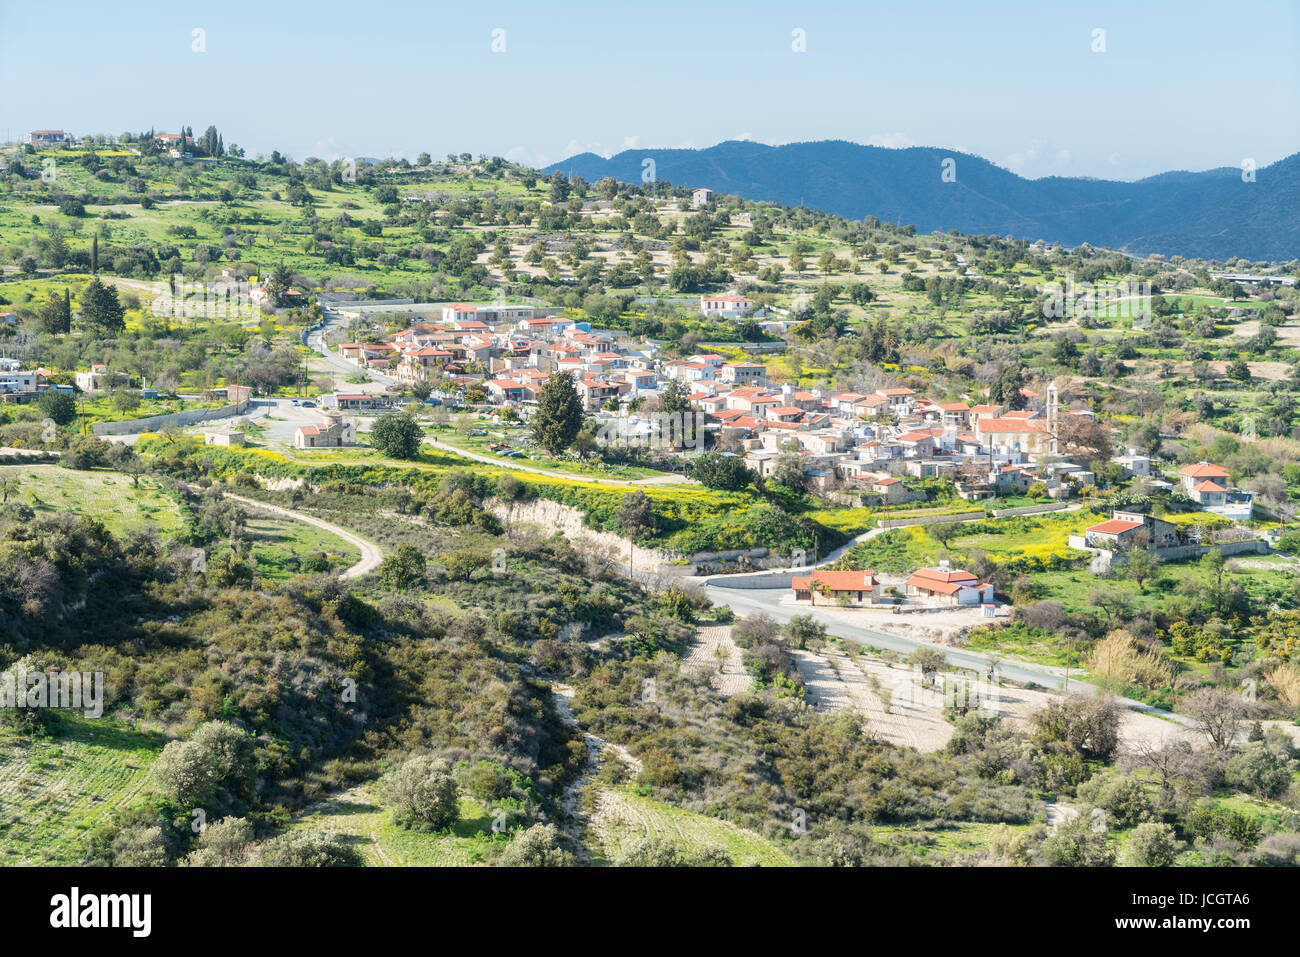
(1111, 90)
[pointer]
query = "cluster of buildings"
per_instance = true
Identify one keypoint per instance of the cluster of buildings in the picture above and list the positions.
(874, 441)
(510, 351)
(941, 586)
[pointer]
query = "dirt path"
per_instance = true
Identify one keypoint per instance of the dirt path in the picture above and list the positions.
(715, 654)
(575, 822)
(671, 478)
(371, 556)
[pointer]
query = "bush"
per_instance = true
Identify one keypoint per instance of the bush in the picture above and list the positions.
(403, 567)
(59, 406)
(1261, 769)
(718, 471)
(654, 851)
(224, 843)
(217, 755)
(1121, 796)
(537, 846)
(310, 849)
(1150, 845)
(1075, 843)
(423, 795)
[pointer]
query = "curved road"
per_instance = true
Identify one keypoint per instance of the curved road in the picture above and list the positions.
(371, 556)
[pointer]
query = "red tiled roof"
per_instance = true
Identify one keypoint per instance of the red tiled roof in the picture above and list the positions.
(1114, 526)
(1204, 470)
(836, 581)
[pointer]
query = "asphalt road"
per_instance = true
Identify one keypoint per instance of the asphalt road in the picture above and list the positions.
(767, 601)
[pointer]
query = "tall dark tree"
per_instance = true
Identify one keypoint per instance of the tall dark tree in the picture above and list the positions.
(100, 308)
(94, 255)
(55, 317)
(559, 414)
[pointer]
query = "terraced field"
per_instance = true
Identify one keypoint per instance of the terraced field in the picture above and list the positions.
(54, 793)
(102, 493)
(622, 816)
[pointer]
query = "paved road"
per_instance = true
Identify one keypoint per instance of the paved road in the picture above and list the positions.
(371, 556)
(767, 601)
(316, 342)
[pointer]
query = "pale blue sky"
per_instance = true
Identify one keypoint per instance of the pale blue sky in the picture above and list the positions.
(1181, 85)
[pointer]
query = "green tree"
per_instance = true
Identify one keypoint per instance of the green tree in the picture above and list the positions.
(558, 418)
(55, 317)
(635, 515)
(59, 406)
(718, 471)
(403, 567)
(101, 310)
(397, 434)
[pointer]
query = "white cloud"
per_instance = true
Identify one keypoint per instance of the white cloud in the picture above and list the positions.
(893, 141)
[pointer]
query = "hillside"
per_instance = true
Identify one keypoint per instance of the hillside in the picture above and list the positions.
(1211, 214)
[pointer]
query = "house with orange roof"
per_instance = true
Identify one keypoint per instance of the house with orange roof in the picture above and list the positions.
(1208, 485)
(951, 585)
(1124, 530)
(853, 588)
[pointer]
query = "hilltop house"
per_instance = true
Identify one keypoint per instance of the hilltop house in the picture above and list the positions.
(725, 307)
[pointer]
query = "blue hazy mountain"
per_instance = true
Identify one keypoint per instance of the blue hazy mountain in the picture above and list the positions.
(1210, 214)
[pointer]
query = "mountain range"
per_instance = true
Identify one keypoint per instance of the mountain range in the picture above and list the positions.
(1214, 214)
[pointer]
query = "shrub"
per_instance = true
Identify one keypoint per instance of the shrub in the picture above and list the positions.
(403, 567)
(537, 846)
(1262, 769)
(217, 755)
(309, 848)
(1121, 796)
(1150, 845)
(655, 851)
(423, 795)
(1075, 843)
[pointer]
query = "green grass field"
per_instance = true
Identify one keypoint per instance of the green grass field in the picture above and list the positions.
(54, 792)
(106, 495)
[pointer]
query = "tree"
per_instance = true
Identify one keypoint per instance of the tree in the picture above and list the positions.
(718, 471)
(397, 434)
(8, 486)
(403, 568)
(279, 283)
(423, 794)
(930, 661)
(101, 310)
(635, 515)
(55, 317)
(1080, 435)
(1239, 370)
(788, 470)
(1141, 566)
(558, 418)
(58, 406)
(1219, 714)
